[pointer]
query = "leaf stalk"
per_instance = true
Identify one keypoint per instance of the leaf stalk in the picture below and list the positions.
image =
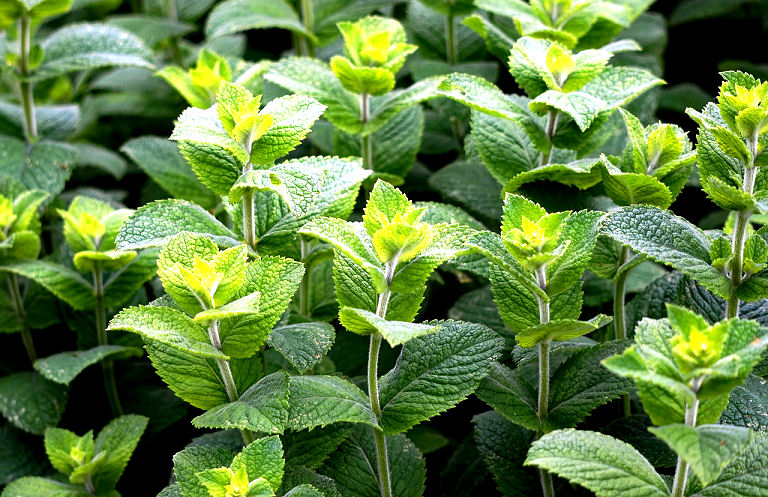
(18, 306)
(107, 365)
(547, 485)
(366, 143)
(681, 470)
(25, 86)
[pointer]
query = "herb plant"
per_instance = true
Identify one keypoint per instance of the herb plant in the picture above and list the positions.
(334, 248)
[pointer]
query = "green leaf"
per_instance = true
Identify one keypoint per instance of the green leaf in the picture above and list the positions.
(744, 399)
(167, 326)
(157, 222)
(63, 282)
(262, 408)
(262, 458)
(600, 463)
(314, 78)
(746, 475)
(483, 96)
(195, 459)
(457, 357)
(581, 384)
(561, 330)
(581, 231)
(45, 165)
(633, 188)
(394, 332)
(708, 449)
(152, 30)
(678, 244)
(503, 447)
(293, 117)
(354, 468)
(504, 147)
(161, 160)
(32, 486)
(388, 106)
(511, 395)
(302, 344)
(322, 400)
(118, 439)
(123, 284)
(233, 16)
(37, 9)
(82, 47)
(19, 458)
(65, 366)
(30, 402)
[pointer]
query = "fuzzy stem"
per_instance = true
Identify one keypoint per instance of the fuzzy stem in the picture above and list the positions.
(547, 485)
(305, 45)
(681, 470)
(366, 144)
(18, 306)
(27, 97)
(619, 315)
(451, 40)
(226, 375)
(107, 365)
(385, 484)
(740, 235)
(551, 128)
(304, 307)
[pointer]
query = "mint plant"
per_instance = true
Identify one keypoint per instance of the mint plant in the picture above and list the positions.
(92, 466)
(684, 369)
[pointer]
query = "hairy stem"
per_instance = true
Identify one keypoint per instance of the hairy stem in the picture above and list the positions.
(619, 316)
(551, 127)
(547, 485)
(385, 484)
(366, 144)
(107, 365)
(18, 307)
(305, 45)
(226, 375)
(681, 470)
(740, 235)
(451, 40)
(25, 87)
(304, 307)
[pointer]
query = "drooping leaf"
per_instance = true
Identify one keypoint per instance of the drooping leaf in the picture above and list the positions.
(322, 400)
(31, 402)
(65, 366)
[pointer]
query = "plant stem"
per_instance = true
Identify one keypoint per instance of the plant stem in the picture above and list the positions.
(107, 365)
(451, 40)
(681, 470)
(385, 484)
(547, 485)
(305, 45)
(619, 315)
(18, 307)
(366, 145)
(740, 235)
(249, 218)
(27, 97)
(304, 308)
(551, 127)
(226, 375)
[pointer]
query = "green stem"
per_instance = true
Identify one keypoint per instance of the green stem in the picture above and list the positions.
(18, 307)
(550, 129)
(304, 308)
(451, 40)
(27, 97)
(619, 314)
(681, 470)
(385, 484)
(249, 218)
(226, 375)
(107, 365)
(740, 235)
(547, 485)
(305, 45)
(366, 144)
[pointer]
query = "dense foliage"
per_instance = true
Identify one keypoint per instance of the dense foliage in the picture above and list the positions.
(379, 248)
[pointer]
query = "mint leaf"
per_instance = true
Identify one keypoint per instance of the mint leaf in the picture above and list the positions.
(708, 449)
(32, 486)
(118, 439)
(511, 395)
(395, 333)
(741, 411)
(678, 244)
(457, 357)
(66, 284)
(600, 463)
(746, 475)
(262, 458)
(30, 402)
(195, 459)
(234, 16)
(161, 160)
(262, 408)
(45, 166)
(81, 47)
(65, 366)
(157, 222)
(322, 400)
(302, 344)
